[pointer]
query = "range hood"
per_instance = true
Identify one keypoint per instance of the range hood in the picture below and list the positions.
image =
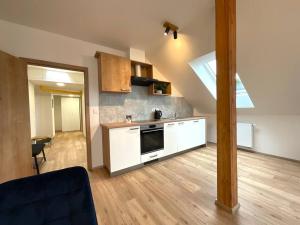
(142, 81)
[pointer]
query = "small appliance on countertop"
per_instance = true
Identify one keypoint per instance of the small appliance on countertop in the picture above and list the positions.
(157, 114)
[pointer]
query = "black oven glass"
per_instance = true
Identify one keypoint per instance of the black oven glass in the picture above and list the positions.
(152, 140)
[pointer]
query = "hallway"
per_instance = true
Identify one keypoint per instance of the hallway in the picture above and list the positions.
(67, 149)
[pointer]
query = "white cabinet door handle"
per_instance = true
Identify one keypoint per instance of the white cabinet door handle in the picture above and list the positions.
(134, 128)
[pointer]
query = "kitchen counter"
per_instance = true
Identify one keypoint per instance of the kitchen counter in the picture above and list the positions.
(147, 122)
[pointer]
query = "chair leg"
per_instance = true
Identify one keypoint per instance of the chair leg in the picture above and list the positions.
(36, 165)
(44, 156)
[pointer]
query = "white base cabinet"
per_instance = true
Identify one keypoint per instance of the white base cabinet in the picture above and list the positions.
(122, 146)
(184, 136)
(170, 138)
(198, 136)
(191, 134)
(125, 148)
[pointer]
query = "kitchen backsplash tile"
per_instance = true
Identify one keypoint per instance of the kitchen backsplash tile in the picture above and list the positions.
(114, 107)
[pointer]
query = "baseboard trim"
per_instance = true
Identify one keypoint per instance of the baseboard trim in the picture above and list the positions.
(226, 208)
(97, 167)
(182, 152)
(261, 153)
(129, 169)
(119, 172)
(275, 156)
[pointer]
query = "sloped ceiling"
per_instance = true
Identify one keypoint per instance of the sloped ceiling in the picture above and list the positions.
(172, 57)
(268, 40)
(268, 54)
(268, 48)
(115, 23)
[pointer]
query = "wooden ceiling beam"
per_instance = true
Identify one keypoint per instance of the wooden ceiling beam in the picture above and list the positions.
(51, 90)
(227, 196)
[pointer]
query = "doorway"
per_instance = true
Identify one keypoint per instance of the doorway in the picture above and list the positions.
(59, 109)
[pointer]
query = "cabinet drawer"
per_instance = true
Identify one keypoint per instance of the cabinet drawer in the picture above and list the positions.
(152, 156)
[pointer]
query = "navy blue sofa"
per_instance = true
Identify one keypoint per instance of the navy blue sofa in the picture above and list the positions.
(57, 198)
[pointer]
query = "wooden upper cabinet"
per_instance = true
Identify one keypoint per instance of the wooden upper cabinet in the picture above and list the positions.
(114, 73)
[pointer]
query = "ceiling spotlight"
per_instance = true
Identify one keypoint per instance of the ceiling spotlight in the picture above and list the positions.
(172, 27)
(60, 84)
(175, 34)
(167, 31)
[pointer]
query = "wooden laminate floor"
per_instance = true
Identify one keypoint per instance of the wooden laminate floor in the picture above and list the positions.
(66, 150)
(182, 190)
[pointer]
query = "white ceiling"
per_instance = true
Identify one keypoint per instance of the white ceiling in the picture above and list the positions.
(67, 87)
(37, 76)
(114, 23)
(268, 35)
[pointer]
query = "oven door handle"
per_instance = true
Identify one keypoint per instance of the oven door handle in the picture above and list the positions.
(149, 131)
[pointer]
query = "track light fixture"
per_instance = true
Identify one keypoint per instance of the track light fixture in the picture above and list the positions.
(167, 31)
(175, 34)
(171, 27)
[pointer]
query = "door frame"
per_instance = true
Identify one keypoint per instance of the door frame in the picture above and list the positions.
(36, 62)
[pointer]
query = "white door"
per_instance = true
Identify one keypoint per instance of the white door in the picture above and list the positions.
(70, 114)
(125, 148)
(170, 138)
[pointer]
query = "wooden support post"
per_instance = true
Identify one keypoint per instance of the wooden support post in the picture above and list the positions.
(227, 197)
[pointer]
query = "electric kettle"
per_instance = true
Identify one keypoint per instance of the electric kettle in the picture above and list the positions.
(157, 114)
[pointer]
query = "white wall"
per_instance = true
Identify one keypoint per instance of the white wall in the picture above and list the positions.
(48, 46)
(44, 120)
(32, 109)
(273, 134)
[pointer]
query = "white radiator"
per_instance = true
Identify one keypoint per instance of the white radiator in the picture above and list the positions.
(245, 135)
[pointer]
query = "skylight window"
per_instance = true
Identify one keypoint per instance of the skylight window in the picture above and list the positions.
(206, 69)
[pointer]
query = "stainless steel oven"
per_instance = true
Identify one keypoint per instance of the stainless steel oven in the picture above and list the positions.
(152, 138)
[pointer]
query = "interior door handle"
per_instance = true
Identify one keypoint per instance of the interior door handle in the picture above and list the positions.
(136, 128)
